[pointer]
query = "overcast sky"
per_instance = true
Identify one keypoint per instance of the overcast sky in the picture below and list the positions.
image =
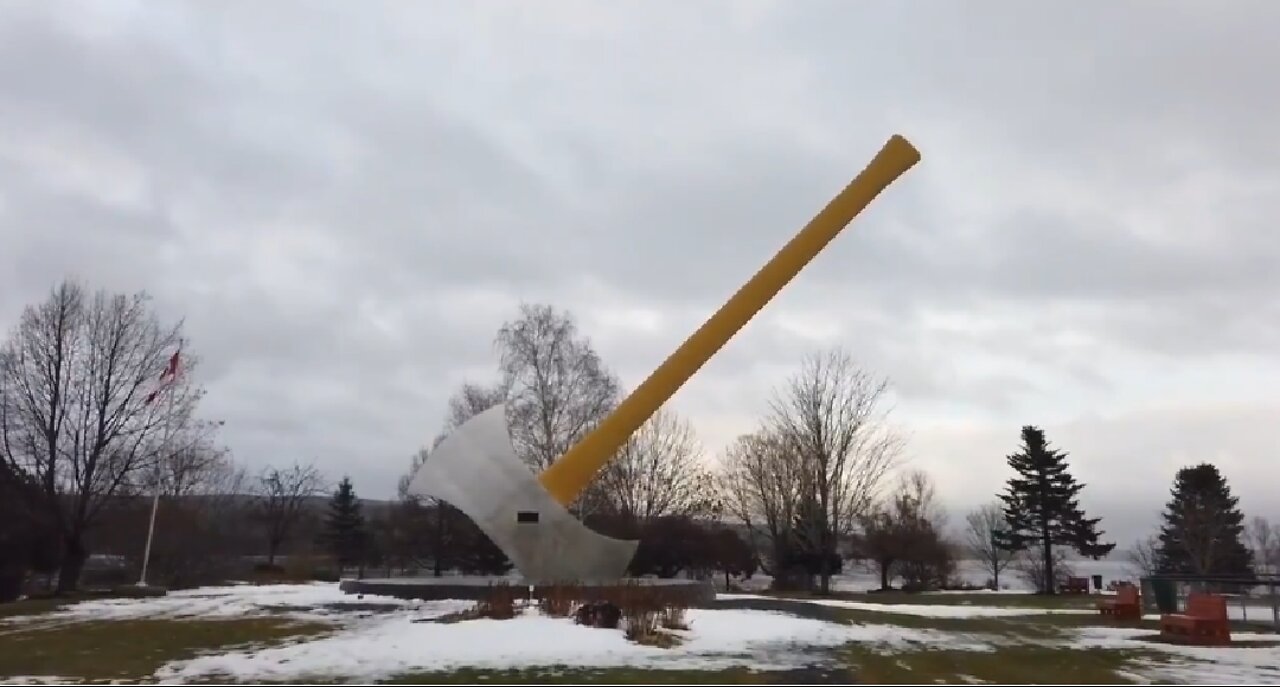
(346, 200)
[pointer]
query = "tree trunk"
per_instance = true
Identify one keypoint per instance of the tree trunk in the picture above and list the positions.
(73, 559)
(824, 563)
(884, 575)
(1048, 565)
(438, 536)
(12, 578)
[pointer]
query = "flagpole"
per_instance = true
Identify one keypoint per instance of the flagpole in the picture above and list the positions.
(155, 496)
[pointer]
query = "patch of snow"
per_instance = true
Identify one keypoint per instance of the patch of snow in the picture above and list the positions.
(392, 644)
(1192, 664)
(318, 601)
(946, 611)
(860, 576)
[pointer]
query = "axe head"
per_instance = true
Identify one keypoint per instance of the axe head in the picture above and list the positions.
(476, 470)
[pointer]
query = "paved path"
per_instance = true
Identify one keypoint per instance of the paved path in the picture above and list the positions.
(794, 607)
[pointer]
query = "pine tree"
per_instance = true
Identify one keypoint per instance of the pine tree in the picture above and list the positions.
(1041, 506)
(1202, 527)
(344, 535)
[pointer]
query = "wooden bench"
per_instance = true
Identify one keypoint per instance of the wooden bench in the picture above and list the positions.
(1125, 606)
(1074, 585)
(1204, 622)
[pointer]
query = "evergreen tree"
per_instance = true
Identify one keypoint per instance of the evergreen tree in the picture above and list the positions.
(1202, 527)
(1041, 506)
(344, 535)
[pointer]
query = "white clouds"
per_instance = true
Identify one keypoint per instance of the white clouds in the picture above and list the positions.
(346, 204)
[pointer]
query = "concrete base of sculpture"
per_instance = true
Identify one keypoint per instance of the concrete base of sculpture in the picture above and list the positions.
(139, 591)
(684, 592)
(476, 471)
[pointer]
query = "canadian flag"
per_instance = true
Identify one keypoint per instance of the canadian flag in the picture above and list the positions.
(170, 375)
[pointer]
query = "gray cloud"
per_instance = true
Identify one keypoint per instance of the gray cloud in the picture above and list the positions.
(345, 205)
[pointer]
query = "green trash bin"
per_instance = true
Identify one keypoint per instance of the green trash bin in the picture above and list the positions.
(1165, 594)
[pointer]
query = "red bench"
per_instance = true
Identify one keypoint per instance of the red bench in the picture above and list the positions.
(1204, 622)
(1125, 606)
(1074, 585)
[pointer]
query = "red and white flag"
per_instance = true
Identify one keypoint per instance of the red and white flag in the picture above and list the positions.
(170, 375)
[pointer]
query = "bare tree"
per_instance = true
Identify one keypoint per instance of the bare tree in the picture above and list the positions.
(415, 462)
(1144, 556)
(658, 472)
(916, 488)
(471, 400)
(200, 526)
(439, 519)
(190, 462)
(74, 407)
(904, 535)
(1264, 542)
(1031, 566)
(980, 526)
(557, 389)
(468, 401)
(759, 483)
(420, 526)
(832, 416)
(281, 501)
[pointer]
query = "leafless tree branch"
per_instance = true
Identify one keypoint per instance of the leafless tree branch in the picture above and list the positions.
(832, 416)
(74, 380)
(659, 472)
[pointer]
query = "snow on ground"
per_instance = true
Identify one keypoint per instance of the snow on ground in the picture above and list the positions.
(859, 576)
(398, 643)
(378, 637)
(1028, 590)
(1252, 610)
(946, 611)
(318, 601)
(1258, 665)
(927, 610)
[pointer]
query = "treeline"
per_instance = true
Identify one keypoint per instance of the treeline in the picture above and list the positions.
(1038, 519)
(815, 484)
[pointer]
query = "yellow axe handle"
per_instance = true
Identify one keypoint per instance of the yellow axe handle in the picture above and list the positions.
(568, 476)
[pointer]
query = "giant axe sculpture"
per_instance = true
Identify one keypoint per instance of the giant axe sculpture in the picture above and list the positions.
(476, 470)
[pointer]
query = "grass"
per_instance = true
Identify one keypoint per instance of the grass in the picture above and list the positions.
(1040, 626)
(133, 649)
(32, 607)
(47, 602)
(1019, 664)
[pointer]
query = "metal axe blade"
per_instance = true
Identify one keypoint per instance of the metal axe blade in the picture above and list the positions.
(476, 470)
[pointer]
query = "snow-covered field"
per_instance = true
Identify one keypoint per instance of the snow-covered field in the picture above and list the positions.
(1239, 665)
(396, 644)
(378, 637)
